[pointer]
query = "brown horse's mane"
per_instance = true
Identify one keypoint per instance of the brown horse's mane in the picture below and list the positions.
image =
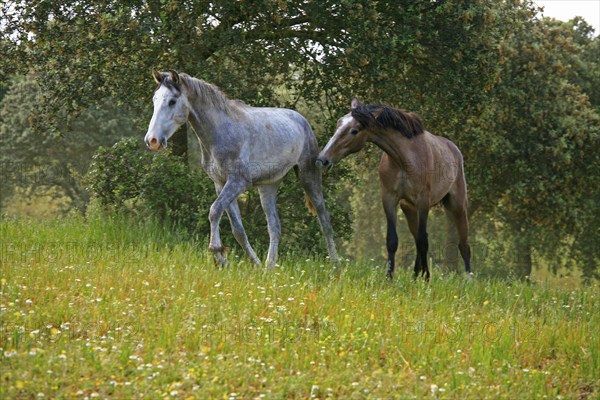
(380, 116)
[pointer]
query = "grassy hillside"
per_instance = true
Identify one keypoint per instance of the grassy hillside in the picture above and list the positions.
(107, 308)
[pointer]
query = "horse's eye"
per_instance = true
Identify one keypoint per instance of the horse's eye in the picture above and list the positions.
(172, 102)
(353, 131)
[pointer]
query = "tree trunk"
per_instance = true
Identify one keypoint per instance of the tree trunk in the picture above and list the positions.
(523, 256)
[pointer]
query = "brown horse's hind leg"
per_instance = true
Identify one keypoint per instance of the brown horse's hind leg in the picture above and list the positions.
(412, 219)
(462, 226)
(458, 214)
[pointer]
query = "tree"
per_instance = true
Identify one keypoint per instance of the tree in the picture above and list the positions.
(418, 53)
(440, 59)
(42, 160)
(85, 50)
(513, 92)
(88, 50)
(534, 135)
(586, 71)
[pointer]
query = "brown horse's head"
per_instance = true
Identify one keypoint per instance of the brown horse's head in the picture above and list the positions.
(350, 136)
(356, 128)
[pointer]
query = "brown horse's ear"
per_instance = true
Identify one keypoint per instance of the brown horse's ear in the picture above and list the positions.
(377, 112)
(355, 103)
(157, 76)
(174, 76)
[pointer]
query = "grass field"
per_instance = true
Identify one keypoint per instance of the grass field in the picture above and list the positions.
(111, 309)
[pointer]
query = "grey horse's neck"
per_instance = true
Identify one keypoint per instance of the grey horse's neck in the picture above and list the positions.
(209, 109)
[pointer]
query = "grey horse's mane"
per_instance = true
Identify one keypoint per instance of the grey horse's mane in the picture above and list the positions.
(210, 95)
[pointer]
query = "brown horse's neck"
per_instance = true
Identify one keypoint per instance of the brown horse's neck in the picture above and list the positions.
(394, 144)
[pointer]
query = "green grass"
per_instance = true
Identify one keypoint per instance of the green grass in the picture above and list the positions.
(113, 309)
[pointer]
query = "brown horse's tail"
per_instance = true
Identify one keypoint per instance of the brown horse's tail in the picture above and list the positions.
(309, 205)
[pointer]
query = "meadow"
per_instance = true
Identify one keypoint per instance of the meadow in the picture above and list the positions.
(108, 308)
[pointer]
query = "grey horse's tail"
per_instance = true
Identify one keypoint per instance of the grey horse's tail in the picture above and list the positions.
(309, 205)
(311, 208)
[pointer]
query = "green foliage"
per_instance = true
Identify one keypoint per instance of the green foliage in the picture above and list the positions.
(116, 173)
(110, 48)
(416, 53)
(176, 193)
(40, 160)
(535, 132)
(517, 94)
(585, 71)
(126, 177)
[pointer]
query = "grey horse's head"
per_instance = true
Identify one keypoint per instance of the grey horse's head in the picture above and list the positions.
(171, 109)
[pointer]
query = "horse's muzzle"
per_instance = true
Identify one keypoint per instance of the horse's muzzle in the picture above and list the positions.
(154, 144)
(323, 163)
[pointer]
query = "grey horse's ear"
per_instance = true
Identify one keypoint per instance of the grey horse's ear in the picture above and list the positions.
(158, 77)
(174, 76)
(355, 103)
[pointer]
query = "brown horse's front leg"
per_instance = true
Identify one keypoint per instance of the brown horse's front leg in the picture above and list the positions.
(391, 243)
(422, 246)
(390, 203)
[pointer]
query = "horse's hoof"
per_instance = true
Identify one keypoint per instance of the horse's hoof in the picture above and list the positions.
(256, 262)
(470, 277)
(334, 258)
(220, 260)
(271, 265)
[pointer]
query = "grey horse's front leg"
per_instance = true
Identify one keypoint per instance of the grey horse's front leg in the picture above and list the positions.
(232, 189)
(235, 219)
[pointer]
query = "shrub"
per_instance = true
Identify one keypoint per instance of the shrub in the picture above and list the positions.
(116, 173)
(128, 178)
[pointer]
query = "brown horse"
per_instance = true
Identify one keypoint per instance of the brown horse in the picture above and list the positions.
(417, 170)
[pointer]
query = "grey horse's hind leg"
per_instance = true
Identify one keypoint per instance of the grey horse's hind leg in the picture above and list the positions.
(233, 212)
(268, 200)
(310, 179)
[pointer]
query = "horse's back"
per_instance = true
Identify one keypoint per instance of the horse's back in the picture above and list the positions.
(274, 140)
(282, 128)
(444, 150)
(436, 167)
(282, 115)
(449, 167)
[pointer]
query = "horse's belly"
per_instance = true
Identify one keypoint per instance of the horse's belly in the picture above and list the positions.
(266, 173)
(271, 163)
(413, 190)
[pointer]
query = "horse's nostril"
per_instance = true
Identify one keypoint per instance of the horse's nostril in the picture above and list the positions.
(321, 163)
(153, 141)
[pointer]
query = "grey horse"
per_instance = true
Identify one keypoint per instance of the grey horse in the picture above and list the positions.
(241, 147)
